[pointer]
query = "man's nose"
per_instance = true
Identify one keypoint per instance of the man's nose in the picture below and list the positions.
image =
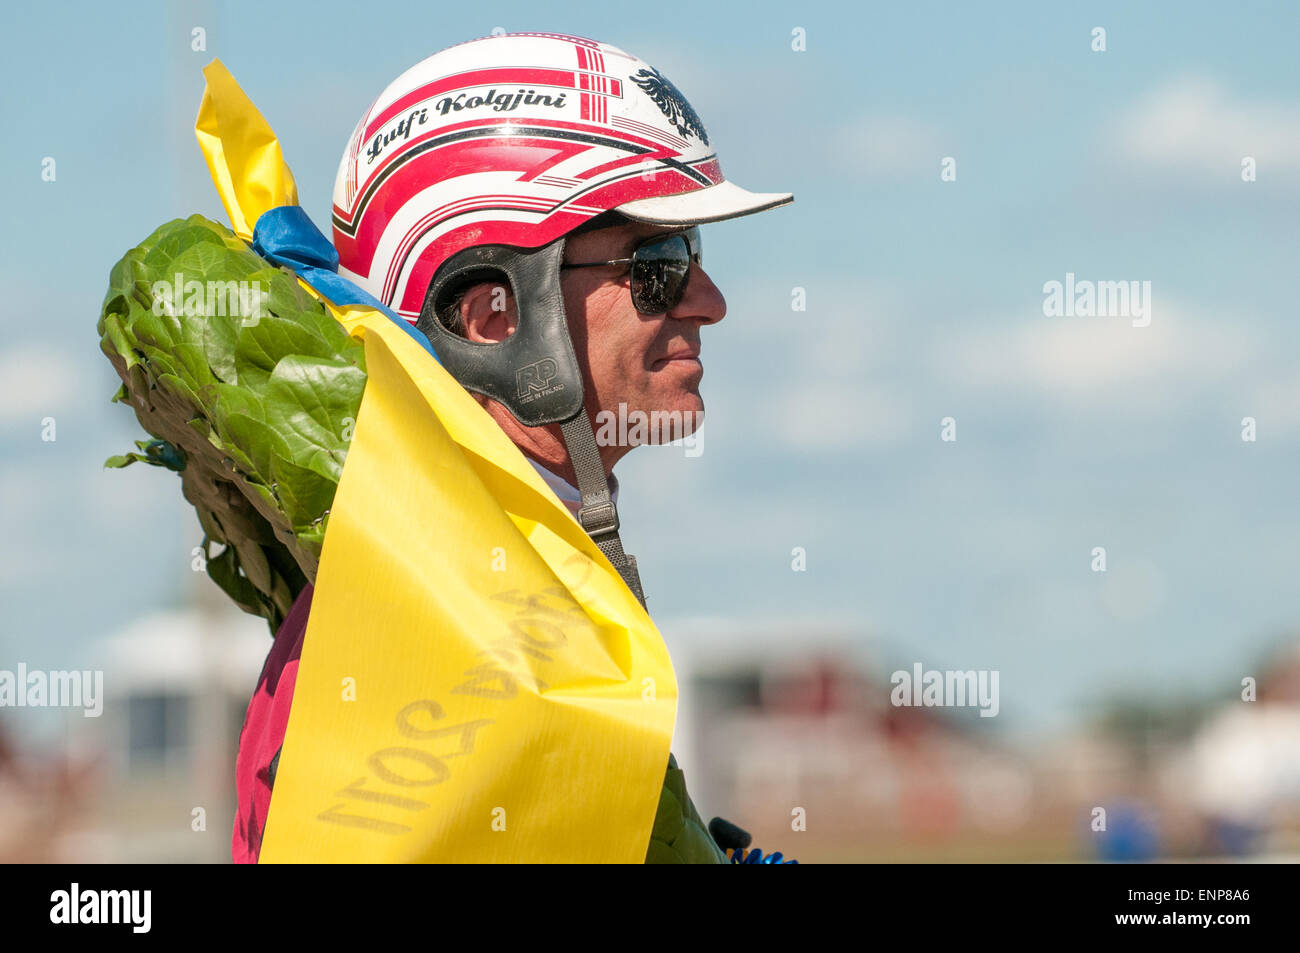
(703, 300)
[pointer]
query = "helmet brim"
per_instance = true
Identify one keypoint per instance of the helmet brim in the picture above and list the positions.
(714, 203)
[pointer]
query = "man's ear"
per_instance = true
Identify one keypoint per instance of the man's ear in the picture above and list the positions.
(488, 312)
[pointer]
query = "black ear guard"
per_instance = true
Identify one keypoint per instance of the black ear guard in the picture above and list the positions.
(534, 373)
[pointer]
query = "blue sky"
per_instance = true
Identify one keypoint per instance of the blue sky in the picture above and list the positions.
(924, 301)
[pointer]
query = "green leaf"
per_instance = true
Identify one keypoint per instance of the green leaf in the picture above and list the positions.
(256, 438)
(158, 453)
(260, 407)
(304, 494)
(316, 400)
(224, 571)
(115, 339)
(262, 346)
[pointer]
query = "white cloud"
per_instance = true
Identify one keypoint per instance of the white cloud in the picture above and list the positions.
(1192, 123)
(1275, 404)
(35, 381)
(55, 512)
(848, 330)
(837, 388)
(836, 414)
(1096, 361)
(888, 147)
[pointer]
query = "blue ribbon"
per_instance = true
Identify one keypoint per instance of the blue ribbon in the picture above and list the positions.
(286, 236)
(755, 856)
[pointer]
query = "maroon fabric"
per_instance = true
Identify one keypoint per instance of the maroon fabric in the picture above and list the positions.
(263, 732)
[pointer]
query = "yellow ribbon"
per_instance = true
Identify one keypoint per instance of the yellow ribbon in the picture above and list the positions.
(477, 684)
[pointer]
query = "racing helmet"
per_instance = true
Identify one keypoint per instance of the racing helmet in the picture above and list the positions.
(476, 162)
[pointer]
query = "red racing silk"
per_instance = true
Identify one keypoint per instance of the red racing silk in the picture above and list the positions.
(263, 732)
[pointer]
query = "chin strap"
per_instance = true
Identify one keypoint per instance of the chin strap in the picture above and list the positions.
(597, 513)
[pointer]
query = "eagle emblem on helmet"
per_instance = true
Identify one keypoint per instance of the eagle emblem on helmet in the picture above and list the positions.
(671, 103)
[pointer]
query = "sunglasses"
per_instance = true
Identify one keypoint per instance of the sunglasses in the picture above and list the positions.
(660, 267)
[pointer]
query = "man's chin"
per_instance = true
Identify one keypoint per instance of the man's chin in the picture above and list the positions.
(669, 418)
(677, 417)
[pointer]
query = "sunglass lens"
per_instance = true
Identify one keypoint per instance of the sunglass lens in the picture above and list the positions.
(659, 273)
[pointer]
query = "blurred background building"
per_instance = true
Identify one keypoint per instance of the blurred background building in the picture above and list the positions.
(800, 745)
(810, 730)
(152, 778)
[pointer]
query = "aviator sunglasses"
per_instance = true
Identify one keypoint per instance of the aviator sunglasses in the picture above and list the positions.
(660, 267)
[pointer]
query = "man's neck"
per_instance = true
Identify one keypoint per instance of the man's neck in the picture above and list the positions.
(566, 492)
(546, 446)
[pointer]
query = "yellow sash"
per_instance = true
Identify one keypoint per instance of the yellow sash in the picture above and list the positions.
(477, 684)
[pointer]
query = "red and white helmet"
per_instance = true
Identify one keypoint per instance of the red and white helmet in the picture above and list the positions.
(516, 140)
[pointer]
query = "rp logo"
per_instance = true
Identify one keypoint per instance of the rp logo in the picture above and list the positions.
(535, 377)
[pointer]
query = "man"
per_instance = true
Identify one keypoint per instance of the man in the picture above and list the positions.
(634, 367)
(579, 175)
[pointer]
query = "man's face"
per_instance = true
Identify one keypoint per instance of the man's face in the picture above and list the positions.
(649, 362)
